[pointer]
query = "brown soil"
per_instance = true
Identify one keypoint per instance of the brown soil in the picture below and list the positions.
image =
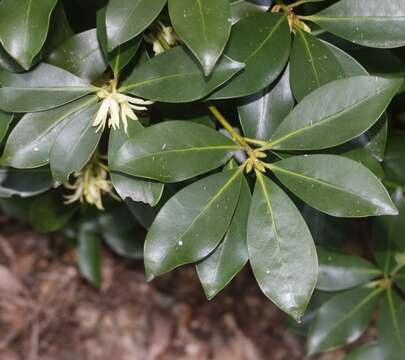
(47, 311)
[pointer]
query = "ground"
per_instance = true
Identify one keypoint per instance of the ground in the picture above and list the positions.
(48, 312)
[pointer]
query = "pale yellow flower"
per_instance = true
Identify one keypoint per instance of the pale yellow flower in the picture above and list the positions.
(166, 33)
(90, 184)
(116, 108)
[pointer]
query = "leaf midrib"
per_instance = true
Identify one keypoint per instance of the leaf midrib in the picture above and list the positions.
(319, 181)
(214, 198)
(196, 149)
(263, 43)
(326, 119)
(353, 311)
(61, 119)
(276, 234)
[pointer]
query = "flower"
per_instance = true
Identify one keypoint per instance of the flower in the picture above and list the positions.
(166, 34)
(117, 108)
(90, 184)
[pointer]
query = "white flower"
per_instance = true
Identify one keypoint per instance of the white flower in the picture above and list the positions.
(166, 33)
(117, 108)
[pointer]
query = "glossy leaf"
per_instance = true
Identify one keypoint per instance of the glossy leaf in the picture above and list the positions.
(340, 271)
(59, 29)
(75, 144)
(120, 232)
(89, 252)
(335, 113)
(7, 62)
(194, 232)
(219, 268)
(260, 114)
(362, 156)
(262, 42)
(281, 249)
(174, 77)
(326, 230)
(81, 55)
(391, 327)
(48, 213)
(173, 151)
(342, 319)
(24, 183)
(368, 351)
(241, 9)
(375, 139)
(204, 25)
(312, 64)
(335, 185)
(43, 88)
(122, 54)
(349, 65)
(128, 186)
(23, 28)
(365, 22)
(126, 19)
(5, 120)
(31, 140)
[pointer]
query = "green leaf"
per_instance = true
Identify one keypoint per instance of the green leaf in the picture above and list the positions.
(365, 22)
(342, 319)
(127, 186)
(241, 9)
(5, 120)
(173, 151)
(362, 156)
(335, 185)
(80, 55)
(43, 88)
(23, 28)
(375, 139)
(121, 55)
(340, 271)
(260, 114)
(121, 234)
(89, 252)
(281, 249)
(74, 144)
(312, 64)
(391, 327)
(7, 62)
(31, 140)
(204, 26)
(59, 29)
(367, 351)
(24, 183)
(49, 214)
(220, 267)
(326, 230)
(349, 65)
(335, 113)
(126, 19)
(195, 231)
(174, 76)
(262, 42)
